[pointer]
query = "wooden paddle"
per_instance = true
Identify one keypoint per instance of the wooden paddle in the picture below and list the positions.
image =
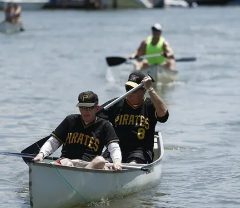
(34, 148)
(115, 60)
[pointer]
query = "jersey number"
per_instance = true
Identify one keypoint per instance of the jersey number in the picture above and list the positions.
(141, 133)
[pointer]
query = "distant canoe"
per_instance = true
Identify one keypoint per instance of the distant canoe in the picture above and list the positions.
(9, 28)
(161, 74)
(56, 186)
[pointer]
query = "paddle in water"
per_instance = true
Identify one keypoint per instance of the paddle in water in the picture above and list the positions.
(34, 149)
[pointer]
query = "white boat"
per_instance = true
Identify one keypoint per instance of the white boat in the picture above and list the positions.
(161, 74)
(9, 28)
(55, 186)
(26, 4)
(175, 3)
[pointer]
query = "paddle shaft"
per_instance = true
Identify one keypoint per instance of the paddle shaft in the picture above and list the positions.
(25, 155)
(123, 96)
(177, 60)
(148, 56)
(114, 61)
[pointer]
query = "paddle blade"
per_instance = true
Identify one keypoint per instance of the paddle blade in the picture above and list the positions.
(186, 59)
(34, 148)
(114, 61)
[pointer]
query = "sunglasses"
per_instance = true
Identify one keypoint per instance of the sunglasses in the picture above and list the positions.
(87, 108)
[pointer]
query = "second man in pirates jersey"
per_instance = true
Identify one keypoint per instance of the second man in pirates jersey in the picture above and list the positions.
(134, 120)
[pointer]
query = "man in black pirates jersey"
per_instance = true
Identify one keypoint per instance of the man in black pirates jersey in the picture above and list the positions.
(134, 120)
(84, 136)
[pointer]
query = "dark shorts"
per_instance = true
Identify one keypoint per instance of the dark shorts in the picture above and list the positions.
(139, 156)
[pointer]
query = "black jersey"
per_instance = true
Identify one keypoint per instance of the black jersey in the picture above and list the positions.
(134, 126)
(81, 141)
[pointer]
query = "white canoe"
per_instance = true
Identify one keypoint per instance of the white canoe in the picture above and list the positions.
(9, 28)
(54, 186)
(161, 74)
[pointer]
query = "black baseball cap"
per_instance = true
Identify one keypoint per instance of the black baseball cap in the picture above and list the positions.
(87, 99)
(135, 79)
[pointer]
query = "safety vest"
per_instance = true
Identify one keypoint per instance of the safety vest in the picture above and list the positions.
(155, 49)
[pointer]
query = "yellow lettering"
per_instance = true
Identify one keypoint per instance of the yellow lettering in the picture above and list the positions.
(120, 122)
(116, 120)
(137, 117)
(125, 119)
(74, 137)
(96, 143)
(146, 123)
(131, 120)
(91, 142)
(142, 120)
(80, 138)
(86, 139)
(141, 133)
(69, 136)
(84, 96)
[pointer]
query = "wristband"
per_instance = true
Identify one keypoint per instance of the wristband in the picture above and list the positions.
(150, 89)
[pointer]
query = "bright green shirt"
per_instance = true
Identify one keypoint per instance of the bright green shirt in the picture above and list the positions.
(155, 49)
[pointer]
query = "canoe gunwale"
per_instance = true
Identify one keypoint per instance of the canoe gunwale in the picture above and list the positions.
(126, 166)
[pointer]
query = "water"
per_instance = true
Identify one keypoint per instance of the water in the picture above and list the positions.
(62, 53)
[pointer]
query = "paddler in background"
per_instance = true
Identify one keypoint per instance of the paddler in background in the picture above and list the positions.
(155, 44)
(9, 12)
(17, 13)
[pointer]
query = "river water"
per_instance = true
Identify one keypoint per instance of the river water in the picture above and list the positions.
(62, 53)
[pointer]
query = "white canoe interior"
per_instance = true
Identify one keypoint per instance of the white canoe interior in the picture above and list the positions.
(56, 186)
(161, 74)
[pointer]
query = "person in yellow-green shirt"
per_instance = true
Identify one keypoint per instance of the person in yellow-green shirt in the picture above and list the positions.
(155, 44)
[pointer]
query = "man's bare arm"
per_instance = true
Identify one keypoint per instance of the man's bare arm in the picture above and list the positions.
(168, 51)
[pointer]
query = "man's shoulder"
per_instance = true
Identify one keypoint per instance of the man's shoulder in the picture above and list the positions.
(103, 121)
(144, 42)
(73, 117)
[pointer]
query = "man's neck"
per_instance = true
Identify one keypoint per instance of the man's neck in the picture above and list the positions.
(90, 121)
(137, 103)
(155, 40)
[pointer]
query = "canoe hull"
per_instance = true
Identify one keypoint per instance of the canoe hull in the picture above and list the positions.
(53, 186)
(9, 28)
(161, 74)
